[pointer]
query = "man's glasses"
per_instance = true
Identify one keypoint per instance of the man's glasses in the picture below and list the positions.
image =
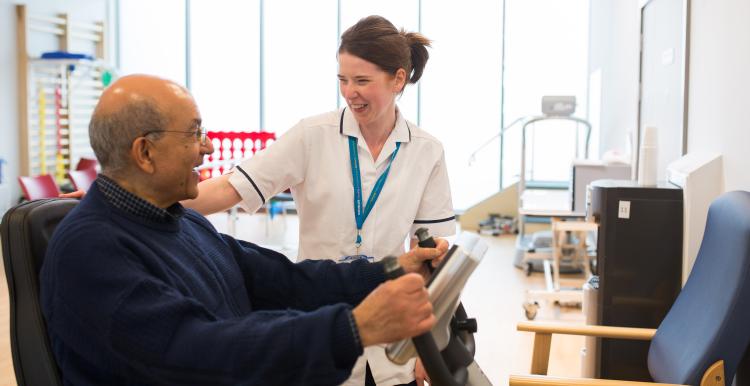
(200, 133)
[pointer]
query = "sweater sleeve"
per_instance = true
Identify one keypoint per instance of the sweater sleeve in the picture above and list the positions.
(105, 307)
(274, 282)
(172, 340)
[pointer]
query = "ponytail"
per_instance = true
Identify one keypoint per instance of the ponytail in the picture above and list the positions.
(418, 47)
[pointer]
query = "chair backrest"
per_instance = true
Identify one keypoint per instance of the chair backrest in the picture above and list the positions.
(87, 163)
(25, 231)
(82, 179)
(710, 320)
(43, 186)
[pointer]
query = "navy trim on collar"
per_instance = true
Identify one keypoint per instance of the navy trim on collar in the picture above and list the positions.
(341, 122)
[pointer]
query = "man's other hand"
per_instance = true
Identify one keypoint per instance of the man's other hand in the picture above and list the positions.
(398, 309)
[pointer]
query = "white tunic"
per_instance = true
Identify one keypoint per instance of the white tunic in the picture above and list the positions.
(312, 159)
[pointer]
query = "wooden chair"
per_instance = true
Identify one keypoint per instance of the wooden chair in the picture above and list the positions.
(703, 338)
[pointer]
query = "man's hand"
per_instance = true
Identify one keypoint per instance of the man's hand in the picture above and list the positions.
(398, 309)
(412, 261)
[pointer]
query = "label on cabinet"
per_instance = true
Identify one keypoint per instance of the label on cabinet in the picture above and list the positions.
(623, 210)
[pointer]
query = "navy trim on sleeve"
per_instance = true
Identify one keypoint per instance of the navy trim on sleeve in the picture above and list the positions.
(262, 199)
(434, 221)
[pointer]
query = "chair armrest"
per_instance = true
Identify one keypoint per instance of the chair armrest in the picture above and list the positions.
(630, 333)
(539, 380)
(543, 338)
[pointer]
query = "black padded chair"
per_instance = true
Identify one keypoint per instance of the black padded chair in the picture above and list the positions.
(706, 333)
(25, 231)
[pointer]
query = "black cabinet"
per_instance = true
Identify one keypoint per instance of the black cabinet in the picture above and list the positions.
(639, 263)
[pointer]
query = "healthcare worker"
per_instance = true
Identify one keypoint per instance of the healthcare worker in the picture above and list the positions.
(363, 178)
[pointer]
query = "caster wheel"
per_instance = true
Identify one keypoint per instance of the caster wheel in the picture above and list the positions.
(530, 308)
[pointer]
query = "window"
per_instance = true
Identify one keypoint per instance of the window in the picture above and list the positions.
(225, 63)
(266, 64)
(299, 68)
(152, 38)
(546, 51)
(461, 91)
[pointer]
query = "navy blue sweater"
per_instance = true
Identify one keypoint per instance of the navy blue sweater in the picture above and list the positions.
(135, 302)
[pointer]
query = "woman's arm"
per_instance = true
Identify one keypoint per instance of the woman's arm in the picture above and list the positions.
(214, 195)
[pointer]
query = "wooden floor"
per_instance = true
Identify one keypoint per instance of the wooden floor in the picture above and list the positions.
(493, 295)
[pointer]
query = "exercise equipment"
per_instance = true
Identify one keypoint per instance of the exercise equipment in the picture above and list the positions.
(539, 199)
(447, 351)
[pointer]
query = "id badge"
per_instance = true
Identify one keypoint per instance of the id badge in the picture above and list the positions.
(349, 259)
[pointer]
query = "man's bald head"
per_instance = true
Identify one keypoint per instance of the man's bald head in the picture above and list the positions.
(127, 109)
(136, 88)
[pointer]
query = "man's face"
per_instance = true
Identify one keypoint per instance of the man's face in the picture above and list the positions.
(178, 151)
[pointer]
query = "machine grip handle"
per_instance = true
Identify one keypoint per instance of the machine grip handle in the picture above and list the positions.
(392, 268)
(426, 241)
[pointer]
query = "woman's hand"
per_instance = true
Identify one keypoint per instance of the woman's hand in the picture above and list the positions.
(413, 261)
(420, 375)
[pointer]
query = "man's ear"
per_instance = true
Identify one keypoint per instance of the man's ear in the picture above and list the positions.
(141, 152)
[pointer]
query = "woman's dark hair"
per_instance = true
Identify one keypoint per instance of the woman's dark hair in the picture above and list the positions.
(376, 40)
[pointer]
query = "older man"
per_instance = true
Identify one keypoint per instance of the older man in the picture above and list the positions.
(137, 290)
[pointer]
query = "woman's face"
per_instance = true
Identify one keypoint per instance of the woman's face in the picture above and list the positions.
(369, 91)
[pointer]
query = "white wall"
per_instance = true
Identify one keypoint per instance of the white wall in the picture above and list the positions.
(85, 10)
(614, 50)
(718, 119)
(719, 79)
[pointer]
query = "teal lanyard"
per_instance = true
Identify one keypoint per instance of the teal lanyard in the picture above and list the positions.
(361, 214)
